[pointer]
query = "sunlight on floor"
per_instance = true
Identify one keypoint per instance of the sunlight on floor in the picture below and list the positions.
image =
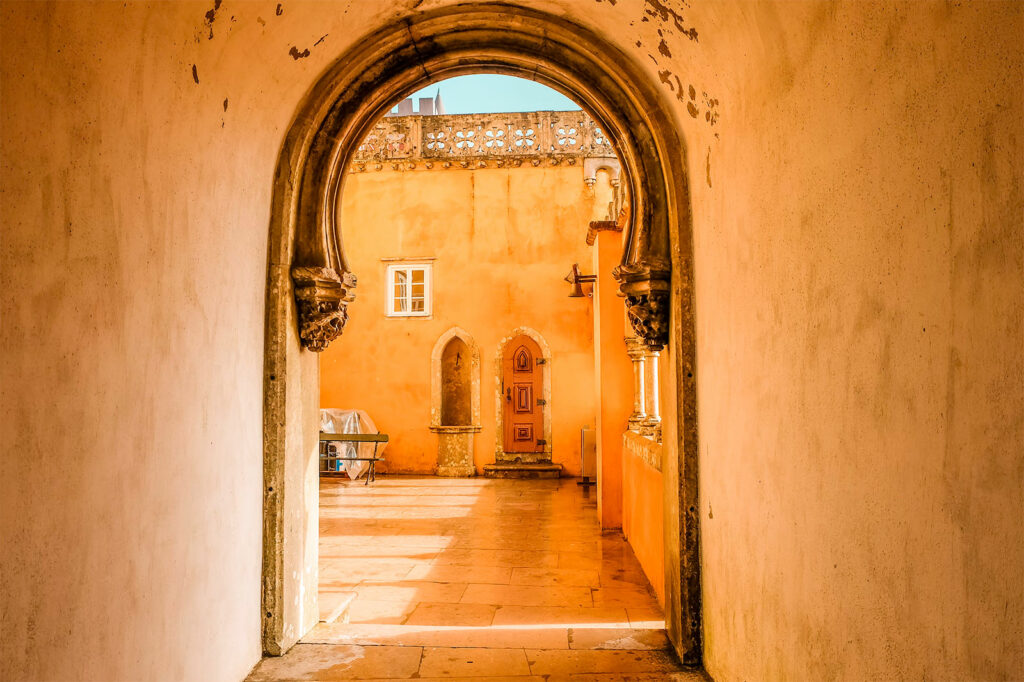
(476, 578)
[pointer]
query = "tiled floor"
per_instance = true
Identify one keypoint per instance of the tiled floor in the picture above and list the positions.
(477, 579)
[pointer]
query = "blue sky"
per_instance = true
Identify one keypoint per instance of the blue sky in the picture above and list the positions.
(491, 93)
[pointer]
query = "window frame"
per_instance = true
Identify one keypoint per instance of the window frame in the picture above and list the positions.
(428, 288)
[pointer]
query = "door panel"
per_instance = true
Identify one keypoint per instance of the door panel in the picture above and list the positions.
(524, 433)
(523, 394)
(522, 378)
(523, 361)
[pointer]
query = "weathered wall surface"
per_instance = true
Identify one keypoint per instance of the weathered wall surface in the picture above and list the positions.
(857, 220)
(503, 240)
(643, 508)
(135, 208)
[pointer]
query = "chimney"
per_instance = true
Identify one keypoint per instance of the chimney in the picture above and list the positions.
(438, 104)
(426, 106)
(405, 107)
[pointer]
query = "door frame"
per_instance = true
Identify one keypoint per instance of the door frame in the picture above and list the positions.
(499, 370)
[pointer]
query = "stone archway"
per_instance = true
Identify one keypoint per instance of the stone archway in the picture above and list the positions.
(310, 283)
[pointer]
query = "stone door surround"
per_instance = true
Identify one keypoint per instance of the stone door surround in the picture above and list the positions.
(543, 453)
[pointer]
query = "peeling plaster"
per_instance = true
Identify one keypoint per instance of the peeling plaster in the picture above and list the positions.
(689, 96)
(661, 11)
(211, 16)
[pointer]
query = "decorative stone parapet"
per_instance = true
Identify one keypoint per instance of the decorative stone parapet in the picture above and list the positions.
(643, 447)
(482, 140)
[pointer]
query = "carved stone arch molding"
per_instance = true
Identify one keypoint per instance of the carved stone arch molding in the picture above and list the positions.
(499, 396)
(310, 283)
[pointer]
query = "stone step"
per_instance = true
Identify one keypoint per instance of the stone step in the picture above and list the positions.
(334, 605)
(523, 470)
(449, 633)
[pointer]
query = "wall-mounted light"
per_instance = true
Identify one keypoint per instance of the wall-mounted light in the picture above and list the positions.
(577, 281)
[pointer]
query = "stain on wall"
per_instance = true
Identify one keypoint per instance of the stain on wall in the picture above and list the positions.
(663, 12)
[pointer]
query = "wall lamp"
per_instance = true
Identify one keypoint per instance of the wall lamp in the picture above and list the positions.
(577, 281)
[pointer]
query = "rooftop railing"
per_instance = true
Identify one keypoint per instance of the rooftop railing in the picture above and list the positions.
(459, 136)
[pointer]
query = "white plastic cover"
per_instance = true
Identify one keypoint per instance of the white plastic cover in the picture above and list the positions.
(351, 421)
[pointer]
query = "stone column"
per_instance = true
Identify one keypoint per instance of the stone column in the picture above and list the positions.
(636, 350)
(651, 425)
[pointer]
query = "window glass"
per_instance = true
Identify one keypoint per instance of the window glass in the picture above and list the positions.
(409, 289)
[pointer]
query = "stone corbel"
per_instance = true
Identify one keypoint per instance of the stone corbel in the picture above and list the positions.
(322, 295)
(646, 290)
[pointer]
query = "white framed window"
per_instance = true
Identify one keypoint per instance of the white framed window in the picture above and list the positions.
(409, 290)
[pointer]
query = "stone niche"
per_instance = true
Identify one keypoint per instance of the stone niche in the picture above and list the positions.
(455, 403)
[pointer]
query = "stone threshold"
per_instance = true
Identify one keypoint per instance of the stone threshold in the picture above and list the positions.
(523, 470)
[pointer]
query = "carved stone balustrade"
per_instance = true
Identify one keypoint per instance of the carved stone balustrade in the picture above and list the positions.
(398, 141)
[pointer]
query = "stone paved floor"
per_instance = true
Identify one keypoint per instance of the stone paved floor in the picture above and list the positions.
(477, 579)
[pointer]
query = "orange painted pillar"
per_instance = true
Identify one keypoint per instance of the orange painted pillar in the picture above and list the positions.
(613, 377)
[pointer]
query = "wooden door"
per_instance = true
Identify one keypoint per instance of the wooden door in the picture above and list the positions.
(523, 401)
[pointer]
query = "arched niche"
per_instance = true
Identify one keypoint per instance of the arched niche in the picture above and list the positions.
(456, 384)
(467, 389)
(310, 283)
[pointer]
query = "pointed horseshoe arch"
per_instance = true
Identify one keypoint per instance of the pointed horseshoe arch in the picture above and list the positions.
(310, 284)
(436, 379)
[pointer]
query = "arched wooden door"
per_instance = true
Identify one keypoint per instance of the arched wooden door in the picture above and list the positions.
(522, 388)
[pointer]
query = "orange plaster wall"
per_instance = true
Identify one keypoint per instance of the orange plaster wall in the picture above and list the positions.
(503, 240)
(643, 518)
(614, 377)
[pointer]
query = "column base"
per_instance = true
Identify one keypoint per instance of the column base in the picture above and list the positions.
(455, 451)
(456, 471)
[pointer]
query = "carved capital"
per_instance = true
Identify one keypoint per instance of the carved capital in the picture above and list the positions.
(636, 349)
(322, 296)
(648, 314)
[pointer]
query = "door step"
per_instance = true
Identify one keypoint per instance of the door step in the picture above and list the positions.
(523, 470)
(334, 605)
